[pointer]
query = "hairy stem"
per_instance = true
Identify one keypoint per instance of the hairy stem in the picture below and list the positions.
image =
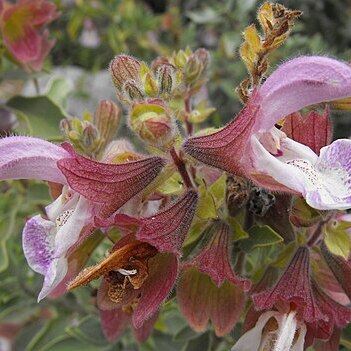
(181, 168)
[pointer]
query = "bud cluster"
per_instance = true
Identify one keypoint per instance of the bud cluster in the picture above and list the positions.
(91, 135)
(276, 22)
(159, 94)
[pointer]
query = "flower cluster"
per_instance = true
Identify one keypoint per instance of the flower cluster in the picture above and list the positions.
(173, 215)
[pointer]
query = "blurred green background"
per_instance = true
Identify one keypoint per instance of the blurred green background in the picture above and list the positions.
(89, 33)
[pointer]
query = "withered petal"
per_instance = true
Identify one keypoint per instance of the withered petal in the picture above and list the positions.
(119, 257)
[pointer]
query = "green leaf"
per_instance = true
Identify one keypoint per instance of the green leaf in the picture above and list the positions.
(204, 16)
(88, 330)
(238, 231)
(206, 208)
(218, 189)
(185, 334)
(7, 227)
(51, 333)
(260, 236)
(43, 114)
(58, 90)
(26, 334)
(337, 239)
(203, 343)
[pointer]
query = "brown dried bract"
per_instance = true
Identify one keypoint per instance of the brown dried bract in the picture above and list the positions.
(131, 256)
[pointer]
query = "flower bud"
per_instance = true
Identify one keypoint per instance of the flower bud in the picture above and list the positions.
(152, 123)
(90, 138)
(150, 85)
(180, 59)
(124, 68)
(107, 118)
(7, 121)
(165, 78)
(82, 134)
(120, 151)
(192, 69)
(132, 91)
(203, 56)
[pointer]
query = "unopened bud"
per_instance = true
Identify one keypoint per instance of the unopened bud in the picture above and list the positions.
(152, 123)
(203, 56)
(107, 118)
(150, 85)
(165, 78)
(132, 91)
(65, 126)
(7, 121)
(120, 151)
(193, 70)
(124, 68)
(180, 59)
(90, 138)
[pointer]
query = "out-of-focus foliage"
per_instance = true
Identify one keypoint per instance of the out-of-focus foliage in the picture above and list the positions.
(88, 34)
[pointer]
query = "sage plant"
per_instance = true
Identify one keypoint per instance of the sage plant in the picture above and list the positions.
(186, 216)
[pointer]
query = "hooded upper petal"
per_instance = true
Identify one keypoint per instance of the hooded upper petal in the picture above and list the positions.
(298, 83)
(110, 184)
(27, 158)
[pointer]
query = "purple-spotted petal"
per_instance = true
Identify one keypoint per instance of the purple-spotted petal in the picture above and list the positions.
(334, 172)
(38, 243)
(324, 181)
(38, 246)
(68, 234)
(30, 158)
(299, 83)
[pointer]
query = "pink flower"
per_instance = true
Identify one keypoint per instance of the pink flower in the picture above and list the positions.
(89, 188)
(22, 27)
(294, 313)
(142, 267)
(252, 146)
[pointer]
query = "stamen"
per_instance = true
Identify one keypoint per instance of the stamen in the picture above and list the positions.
(287, 330)
(127, 272)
